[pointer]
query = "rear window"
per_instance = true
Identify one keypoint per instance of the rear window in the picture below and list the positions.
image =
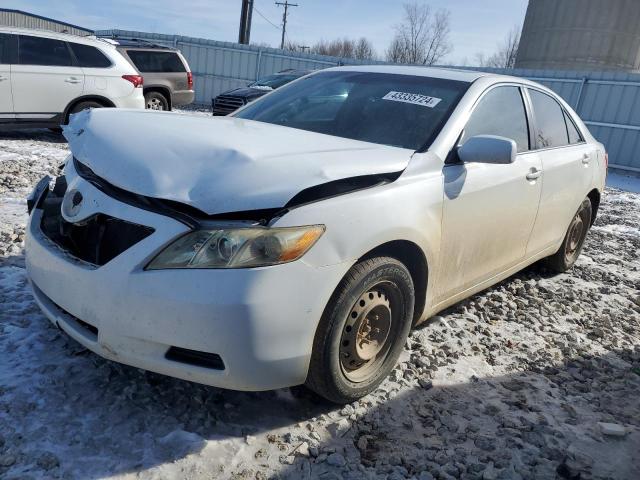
(397, 110)
(156, 62)
(43, 51)
(89, 57)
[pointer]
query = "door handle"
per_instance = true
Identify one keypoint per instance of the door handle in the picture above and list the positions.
(3, 78)
(72, 80)
(586, 159)
(533, 174)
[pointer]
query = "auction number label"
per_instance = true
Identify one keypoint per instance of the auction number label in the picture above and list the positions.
(414, 98)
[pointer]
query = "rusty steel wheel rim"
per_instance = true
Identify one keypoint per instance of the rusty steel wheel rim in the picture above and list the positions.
(575, 236)
(365, 341)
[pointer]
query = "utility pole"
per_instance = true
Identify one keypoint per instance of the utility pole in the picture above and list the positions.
(286, 5)
(245, 22)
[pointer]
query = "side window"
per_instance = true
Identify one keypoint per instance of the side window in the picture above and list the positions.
(574, 134)
(154, 62)
(43, 51)
(6, 42)
(89, 57)
(500, 112)
(550, 125)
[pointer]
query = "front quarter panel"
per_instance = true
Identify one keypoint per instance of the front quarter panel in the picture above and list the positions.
(356, 223)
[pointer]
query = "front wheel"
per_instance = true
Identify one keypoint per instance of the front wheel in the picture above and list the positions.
(362, 331)
(569, 251)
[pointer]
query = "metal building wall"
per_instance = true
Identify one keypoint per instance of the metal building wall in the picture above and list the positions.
(16, 18)
(581, 35)
(220, 66)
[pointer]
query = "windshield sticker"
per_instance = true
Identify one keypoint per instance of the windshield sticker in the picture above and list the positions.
(414, 98)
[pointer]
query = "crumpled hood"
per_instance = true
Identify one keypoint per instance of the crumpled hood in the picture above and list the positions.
(218, 164)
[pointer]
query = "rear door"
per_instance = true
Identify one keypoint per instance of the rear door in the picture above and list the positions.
(489, 209)
(568, 165)
(7, 50)
(45, 80)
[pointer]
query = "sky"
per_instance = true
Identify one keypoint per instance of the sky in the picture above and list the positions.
(477, 26)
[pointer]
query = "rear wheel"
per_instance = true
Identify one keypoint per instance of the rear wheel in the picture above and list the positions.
(156, 101)
(573, 241)
(362, 331)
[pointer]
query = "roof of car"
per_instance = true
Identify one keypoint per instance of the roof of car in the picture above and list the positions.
(293, 71)
(137, 44)
(67, 37)
(434, 72)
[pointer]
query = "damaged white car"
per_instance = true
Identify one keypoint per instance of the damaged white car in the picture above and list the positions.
(298, 241)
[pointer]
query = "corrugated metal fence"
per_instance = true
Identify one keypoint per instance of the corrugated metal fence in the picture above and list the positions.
(609, 103)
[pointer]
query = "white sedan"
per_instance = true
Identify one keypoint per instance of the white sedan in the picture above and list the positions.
(299, 240)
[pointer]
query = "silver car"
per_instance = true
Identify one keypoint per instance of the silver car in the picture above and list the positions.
(299, 239)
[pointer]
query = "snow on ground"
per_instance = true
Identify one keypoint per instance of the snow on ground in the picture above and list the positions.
(512, 383)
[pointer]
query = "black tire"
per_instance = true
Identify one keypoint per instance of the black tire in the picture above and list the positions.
(569, 251)
(83, 106)
(386, 284)
(156, 101)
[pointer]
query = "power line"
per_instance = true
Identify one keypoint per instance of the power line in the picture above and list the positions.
(269, 21)
(286, 6)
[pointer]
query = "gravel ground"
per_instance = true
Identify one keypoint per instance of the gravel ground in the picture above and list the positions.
(537, 377)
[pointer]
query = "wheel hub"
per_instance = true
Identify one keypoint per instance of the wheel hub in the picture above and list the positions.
(575, 234)
(154, 104)
(365, 332)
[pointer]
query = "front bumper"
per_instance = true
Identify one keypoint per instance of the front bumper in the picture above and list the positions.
(260, 321)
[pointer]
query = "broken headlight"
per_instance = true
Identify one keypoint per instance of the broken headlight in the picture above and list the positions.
(237, 247)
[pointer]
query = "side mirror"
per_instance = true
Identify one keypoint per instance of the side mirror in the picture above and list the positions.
(488, 149)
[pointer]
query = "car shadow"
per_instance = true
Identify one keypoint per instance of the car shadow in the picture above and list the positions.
(537, 423)
(39, 134)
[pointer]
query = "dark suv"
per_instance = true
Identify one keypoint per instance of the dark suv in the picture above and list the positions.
(231, 100)
(168, 81)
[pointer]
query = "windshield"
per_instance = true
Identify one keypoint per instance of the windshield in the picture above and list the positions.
(397, 110)
(274, 81)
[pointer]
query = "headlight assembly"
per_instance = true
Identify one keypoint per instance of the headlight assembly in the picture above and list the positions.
(237, 247)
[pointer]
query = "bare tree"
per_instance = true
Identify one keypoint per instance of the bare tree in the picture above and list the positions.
(291, 46)
(505, 56)
(422, 37)
(346, 48)
(364, 49)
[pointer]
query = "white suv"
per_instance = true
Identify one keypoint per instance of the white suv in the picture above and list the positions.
(47, 76)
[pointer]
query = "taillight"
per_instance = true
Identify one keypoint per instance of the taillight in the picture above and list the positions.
(606, 164)
(190, 80)
(135, 79)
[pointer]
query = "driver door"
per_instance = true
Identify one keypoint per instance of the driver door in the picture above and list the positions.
(489, 209)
